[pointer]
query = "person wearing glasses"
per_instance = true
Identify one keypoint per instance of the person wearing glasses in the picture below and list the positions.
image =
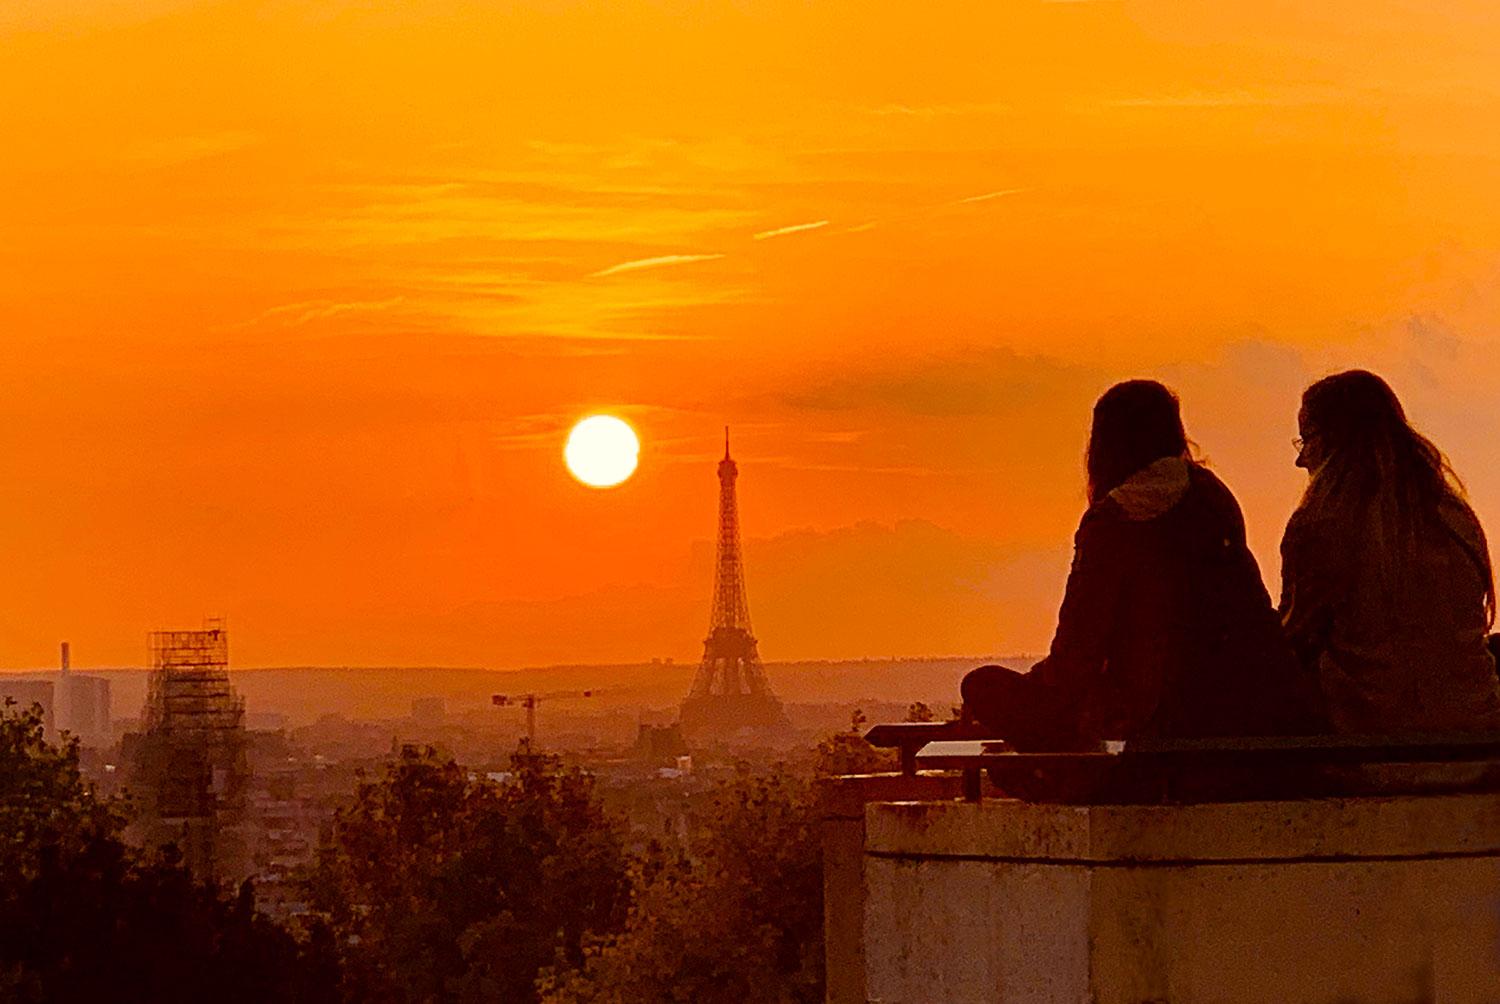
(1388, 595)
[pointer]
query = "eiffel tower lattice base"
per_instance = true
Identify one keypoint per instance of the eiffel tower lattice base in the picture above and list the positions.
(729, 713)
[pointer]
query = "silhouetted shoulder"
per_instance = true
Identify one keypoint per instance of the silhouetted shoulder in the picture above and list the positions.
(1215, 496)
(1206, 481)
(1463, 522)
(1102, 520)
(1305, 527)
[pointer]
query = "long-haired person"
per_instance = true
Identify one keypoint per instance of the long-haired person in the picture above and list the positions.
(1166, 628)
(1387, 590)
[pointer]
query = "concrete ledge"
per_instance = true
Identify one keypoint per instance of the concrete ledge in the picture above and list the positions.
(1337, 829)
(1390, 900)
(846, 796)
(843, 801)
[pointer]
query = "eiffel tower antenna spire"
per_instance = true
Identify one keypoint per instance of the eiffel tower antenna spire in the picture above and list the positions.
(730, 690)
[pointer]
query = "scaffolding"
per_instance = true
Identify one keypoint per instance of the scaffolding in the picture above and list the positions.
(189, 695)
(192, 752)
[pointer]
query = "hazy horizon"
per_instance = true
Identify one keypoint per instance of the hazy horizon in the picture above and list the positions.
(387, 692)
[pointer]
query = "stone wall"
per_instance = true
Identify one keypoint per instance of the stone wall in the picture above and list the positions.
(1390, 900)
(843, 834)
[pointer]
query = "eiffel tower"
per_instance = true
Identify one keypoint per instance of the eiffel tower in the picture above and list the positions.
(730, 691)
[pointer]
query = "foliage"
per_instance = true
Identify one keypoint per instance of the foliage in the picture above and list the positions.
(739, 921)
(920, 712)
(847, 752)
(83, 918)
(444, 887)
(46, 811)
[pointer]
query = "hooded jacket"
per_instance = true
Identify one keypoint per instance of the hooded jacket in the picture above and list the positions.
(1166, 629)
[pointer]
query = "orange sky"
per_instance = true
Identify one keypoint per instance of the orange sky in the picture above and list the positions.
(299, 297)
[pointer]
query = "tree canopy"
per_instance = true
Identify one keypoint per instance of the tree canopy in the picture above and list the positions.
(739, 920)
(444, 886)
(83, 917)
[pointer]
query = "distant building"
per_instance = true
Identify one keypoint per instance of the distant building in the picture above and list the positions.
(660, 744)
(84, 708)
(82, 704)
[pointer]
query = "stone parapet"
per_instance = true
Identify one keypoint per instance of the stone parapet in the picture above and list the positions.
(843, 801)
(1375, 900)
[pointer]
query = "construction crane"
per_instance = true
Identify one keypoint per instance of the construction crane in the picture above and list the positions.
(530, 701)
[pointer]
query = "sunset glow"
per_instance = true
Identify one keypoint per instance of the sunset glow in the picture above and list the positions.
(300, 298)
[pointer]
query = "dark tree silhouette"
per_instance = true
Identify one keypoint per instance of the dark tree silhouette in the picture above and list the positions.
(84, 918)
(740, 922)
(441, 887)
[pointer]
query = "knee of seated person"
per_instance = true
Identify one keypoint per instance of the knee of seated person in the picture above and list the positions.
(977, 682)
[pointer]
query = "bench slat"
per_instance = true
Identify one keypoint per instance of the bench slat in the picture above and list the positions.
(1139, 769)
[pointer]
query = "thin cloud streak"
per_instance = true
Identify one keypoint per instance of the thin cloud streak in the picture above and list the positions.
(910, 471)
(987, 196)
(640, 263)
(291, 315)
(940, 111)
(796, 228)
(930, 210)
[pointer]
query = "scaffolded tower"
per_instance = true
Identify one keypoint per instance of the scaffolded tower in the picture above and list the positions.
(189, 695)
(730, 691)
(192, 754)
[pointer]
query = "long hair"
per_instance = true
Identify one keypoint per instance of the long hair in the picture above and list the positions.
(1135, 423)
(1380, 478)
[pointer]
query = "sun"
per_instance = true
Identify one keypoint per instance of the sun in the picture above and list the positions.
(602, 451)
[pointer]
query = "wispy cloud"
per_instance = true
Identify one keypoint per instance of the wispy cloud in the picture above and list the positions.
(796, 228)
(660, 260)
(993, 382)
(294, 314)
(549, 429)
(931, 210)
(909, 470)
(987, 196)
(838, 436)
(937, 111)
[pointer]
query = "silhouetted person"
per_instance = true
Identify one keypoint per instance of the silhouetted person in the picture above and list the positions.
(1166, 628)
(1387, 590)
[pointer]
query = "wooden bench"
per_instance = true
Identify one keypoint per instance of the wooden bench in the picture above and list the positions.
(1194, 769)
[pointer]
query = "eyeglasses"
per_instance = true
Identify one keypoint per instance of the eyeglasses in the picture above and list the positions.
(1298, 443)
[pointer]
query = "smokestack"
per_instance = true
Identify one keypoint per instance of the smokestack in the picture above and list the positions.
(67, 660)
